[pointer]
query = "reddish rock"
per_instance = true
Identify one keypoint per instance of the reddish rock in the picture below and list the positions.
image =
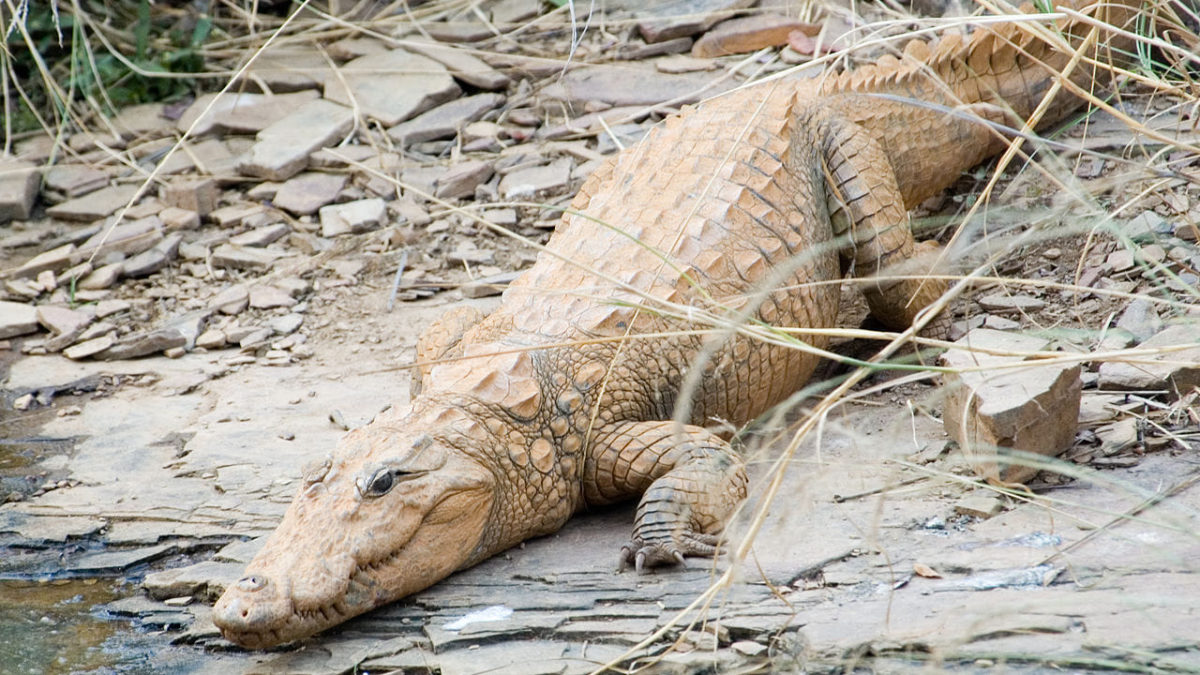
(749, 33)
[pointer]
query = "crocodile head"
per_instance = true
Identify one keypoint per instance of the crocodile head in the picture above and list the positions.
(388, 514)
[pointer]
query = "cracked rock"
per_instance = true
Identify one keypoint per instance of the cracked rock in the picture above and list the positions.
(17, 318)
(1176, 371)
(19, 182)
(392, 86)
(283, 148)
(1009, 403)
(352, 217)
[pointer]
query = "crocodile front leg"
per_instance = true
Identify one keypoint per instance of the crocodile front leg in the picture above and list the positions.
(690, 481)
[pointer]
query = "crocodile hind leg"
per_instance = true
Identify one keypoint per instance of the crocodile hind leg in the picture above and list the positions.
(690, 481)
(867, 208)
(441, 340)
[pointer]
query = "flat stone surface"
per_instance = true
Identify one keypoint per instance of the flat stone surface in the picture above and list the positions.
(267, 297)
(352, 217)
(286, 69)
(462, 64)
(154, 259)
(671, 19)
(253, 117)
(17, 318)
(127, 238)
(261, 236)
(89, 348)
(461, 179)
(243, 258)
(1176, 371)
(56, 259)
(537, 181)
(102, 277)
(391, 87)
(1011, 302)
(748, 34)
(445, 120)
(283, 148)
(631, 85)
(73, 180)
(305, 193)
(59, 320)
(94, 205)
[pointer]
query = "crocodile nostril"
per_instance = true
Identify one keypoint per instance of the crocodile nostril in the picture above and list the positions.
(251, 583)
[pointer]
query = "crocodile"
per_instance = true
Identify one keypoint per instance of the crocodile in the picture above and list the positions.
(593, 381)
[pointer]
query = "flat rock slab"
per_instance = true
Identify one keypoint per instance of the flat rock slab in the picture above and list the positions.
(445, 120)
(464, 65)
(391, 87)
(243, 113)
(1009, 403)
(73, 180)
(288, 69)
(283, 148)
(351, 217)
(305, 193)
(16, 319)
(536, 181)
(94, 205)
(1176, 370)
(632, 85)
(669, 19)
(748, 34)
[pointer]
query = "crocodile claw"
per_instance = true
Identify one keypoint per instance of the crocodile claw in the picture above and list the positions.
(644, 554)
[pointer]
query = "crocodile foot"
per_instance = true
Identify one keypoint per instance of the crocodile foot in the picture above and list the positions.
(671, 550)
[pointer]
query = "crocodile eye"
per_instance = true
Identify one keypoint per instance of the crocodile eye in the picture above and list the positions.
(380, 483)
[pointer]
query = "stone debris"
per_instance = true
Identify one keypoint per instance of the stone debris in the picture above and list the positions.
(445, 120)
(1006, 302)
(283, 148)
(391, 86)
(17, 318)
(352, 217)
(999, 408)
(462, 179)
(307, 192)
(463, 65)
(94, 205)
(1176, 369)
(748, 34)
(19, 182)
(67, 181)
(196, 195)
(536, 181)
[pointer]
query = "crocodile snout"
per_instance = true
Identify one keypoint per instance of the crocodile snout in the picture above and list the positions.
(251, 610)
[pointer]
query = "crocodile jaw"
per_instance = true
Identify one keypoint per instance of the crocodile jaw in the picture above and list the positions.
(337, 554)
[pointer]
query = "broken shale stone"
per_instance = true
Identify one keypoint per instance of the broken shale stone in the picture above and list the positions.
(352, 217)
(445, 120)
(282, 149)
(17, 318)
(463, 65)
(748, 34)
(1176, 371)
(94, 205)
(462, 179)
(19, 182)
(154, 259)
(1008, 403)
(306, 192)
(392, 86)
(199, 195)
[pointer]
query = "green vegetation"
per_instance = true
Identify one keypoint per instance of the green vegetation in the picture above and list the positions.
(58, 55)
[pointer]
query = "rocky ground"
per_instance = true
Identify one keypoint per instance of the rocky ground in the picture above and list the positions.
(201, 297)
